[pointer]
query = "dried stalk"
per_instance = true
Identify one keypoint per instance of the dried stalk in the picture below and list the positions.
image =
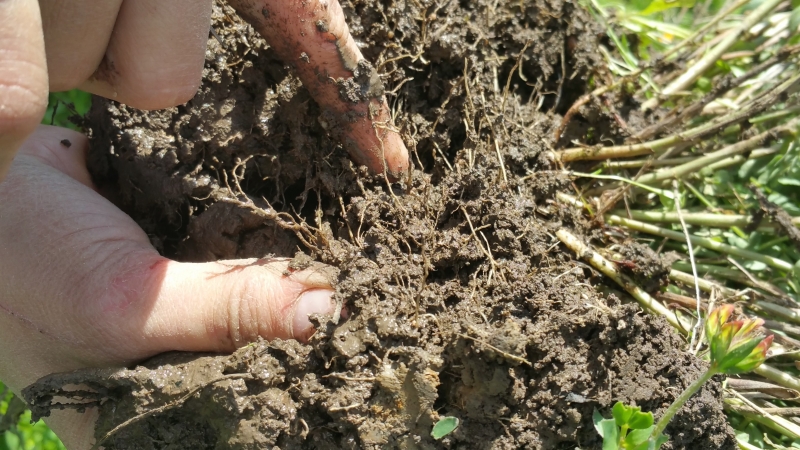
(703, 242)
(709, 59)
(608, 269)
(731, 150)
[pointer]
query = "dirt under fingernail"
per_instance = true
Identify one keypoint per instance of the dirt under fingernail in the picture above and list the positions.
(460, 301)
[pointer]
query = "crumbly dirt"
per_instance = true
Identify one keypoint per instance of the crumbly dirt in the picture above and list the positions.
(462, 302)
(650, 270)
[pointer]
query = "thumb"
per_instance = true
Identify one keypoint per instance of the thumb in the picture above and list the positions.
(223, 305)
(207, 307)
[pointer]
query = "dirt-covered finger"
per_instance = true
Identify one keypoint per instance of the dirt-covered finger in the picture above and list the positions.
(312, 37)
(224, 305)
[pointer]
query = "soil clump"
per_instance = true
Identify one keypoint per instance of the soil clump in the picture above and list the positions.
(461, 300)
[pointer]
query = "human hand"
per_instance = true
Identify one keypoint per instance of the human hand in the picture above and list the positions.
(82, 286)
(134, 53)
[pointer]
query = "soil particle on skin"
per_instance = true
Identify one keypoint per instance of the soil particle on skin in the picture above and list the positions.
(460, 300)
(365, 84)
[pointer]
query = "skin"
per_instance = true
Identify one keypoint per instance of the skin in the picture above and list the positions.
(80, 284)
(313, 37)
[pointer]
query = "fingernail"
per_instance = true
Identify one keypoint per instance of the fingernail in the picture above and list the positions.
(317, 301)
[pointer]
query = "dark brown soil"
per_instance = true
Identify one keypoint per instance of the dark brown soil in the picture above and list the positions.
(462, 302)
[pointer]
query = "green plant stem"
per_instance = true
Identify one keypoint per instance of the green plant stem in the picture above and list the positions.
(777, 376)
(705, 285)
(699, 219)
(731, 274)
(696, 240)
(719, 155)
(727, 162)
(786, 314)
(678, 403)
(621, 180)
(723, 272)
(650, 162)
(775, 115)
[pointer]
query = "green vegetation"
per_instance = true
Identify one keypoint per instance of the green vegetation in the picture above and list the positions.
(733, 348)
(17, 432)
(63, 105)
(629, 428)
(714, 179)
(444, 426)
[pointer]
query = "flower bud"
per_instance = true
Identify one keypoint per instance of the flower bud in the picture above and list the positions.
(735, 347)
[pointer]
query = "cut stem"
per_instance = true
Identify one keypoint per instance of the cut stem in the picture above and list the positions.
(711, 158)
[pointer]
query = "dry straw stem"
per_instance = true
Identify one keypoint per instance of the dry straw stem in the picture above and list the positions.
(608, 269)
(685, 229)
(721, 87)
(777, 376)
(661, 145)
(734, 275)
(635, 225)
(705, 285)
(709, 59)
(698, 219)
(731, 150)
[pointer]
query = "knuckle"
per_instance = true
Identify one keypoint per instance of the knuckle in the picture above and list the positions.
(252, 308)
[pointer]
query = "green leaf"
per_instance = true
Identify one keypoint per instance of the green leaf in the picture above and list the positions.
(610, 434)
(736, 354)
(636, 437)
(785, 203)
(639, 5)
(794, 20)
(754, 266)
(597, 418)
(786, 181)
(444, 426)
(622, 413)
(663, 5)
(640, 420)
